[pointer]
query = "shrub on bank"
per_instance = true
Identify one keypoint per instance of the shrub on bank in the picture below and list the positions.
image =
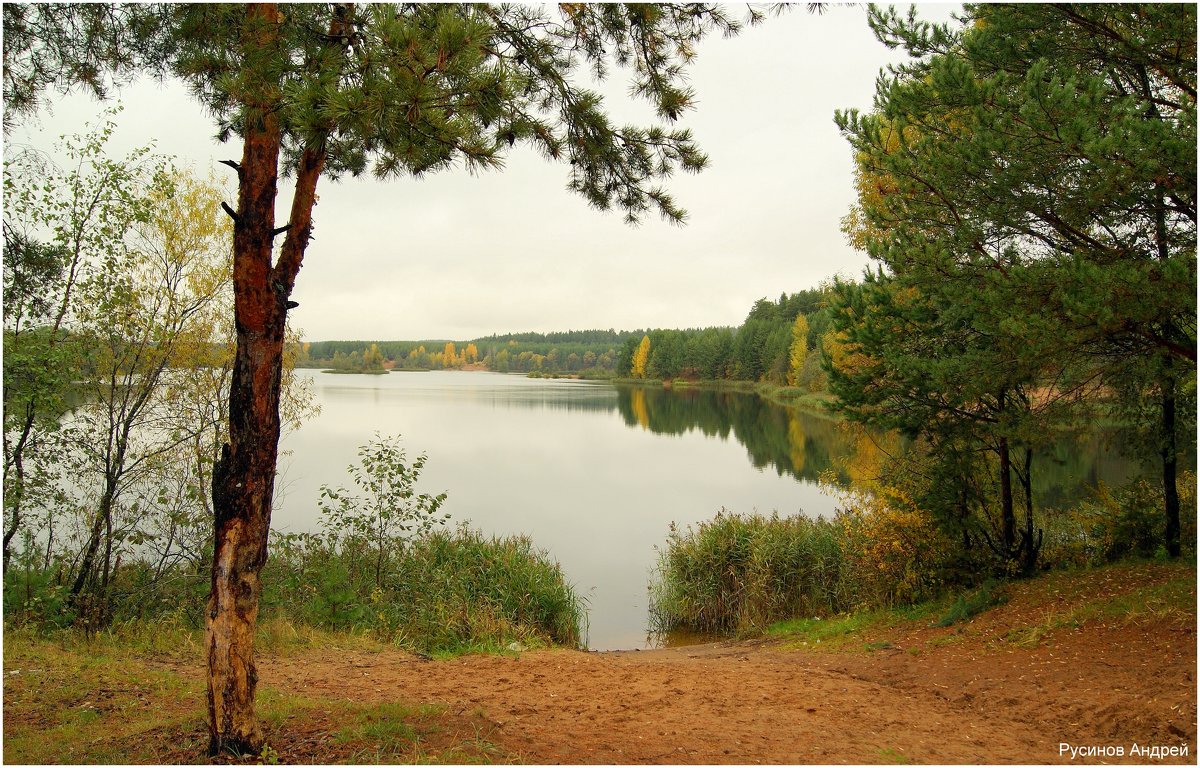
(1115, 523)
(740, 573)
(894, 552)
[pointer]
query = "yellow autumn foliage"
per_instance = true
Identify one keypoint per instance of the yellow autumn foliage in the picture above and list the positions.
(893, 551)
(641, 357)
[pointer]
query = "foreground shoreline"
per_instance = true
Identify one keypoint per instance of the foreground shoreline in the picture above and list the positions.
(1095, 660)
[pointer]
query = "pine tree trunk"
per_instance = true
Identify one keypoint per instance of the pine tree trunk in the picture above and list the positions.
(1031, 545)
(1167, 379)
(244, 478)
(1008, 520)
(1170, 464)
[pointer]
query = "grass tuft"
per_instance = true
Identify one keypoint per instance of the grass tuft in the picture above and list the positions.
(973, 603)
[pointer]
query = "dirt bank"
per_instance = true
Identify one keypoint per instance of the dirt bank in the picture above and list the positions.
(1010, 686)
(1102, 659)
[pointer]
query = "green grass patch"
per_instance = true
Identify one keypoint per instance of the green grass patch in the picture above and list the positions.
(393, 732)
(973, 603)
(858, 630)
(386, 726)
(1172, 600)
(834, 633)
(72, 699)
(894, 757)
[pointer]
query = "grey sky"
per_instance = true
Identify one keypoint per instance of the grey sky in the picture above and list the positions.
(458, 256)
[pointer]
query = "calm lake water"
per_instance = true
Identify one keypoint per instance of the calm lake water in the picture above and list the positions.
(594, 473)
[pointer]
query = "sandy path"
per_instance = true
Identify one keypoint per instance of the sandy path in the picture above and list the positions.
(739, 703)
(973, 693)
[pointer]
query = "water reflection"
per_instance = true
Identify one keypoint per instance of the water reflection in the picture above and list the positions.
(812, 447)
(791, 442)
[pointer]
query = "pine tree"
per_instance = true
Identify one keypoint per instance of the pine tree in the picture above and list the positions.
(334, 89)
(1039, 164)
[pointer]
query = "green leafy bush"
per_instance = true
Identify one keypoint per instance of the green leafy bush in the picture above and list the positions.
(387, 511)
(1127, 522)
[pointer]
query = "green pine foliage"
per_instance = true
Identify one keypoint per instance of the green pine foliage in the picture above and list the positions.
(1027, 189)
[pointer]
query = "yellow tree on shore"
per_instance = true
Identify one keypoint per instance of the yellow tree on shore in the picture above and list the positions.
(640, 358)
(798, 351)
(450, 357)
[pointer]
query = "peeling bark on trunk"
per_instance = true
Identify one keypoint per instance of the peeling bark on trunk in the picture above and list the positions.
(244, 478)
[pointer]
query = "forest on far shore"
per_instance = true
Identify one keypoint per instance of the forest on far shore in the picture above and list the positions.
(780, 342)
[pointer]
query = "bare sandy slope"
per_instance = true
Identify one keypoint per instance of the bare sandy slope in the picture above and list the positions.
(977, 693)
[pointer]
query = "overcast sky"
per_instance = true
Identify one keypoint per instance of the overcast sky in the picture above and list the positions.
(455, 256)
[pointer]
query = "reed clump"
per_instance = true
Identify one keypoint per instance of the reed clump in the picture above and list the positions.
(742, 572)
(738, 573)
(442, 593)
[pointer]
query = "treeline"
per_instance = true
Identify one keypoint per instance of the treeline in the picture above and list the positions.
(590, 353)
(779, 342)
(378, 357)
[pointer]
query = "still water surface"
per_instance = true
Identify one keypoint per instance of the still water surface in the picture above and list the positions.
(594, 473)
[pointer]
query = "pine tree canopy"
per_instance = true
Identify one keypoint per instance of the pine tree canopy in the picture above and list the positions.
(399, 89)
(1027, 187)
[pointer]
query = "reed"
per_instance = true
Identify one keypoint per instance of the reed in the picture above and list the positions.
(740, 573)
(443, 593)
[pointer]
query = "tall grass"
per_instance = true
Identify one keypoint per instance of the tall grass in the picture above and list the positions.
(463, 591)
(743, 572)
(442, 593)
